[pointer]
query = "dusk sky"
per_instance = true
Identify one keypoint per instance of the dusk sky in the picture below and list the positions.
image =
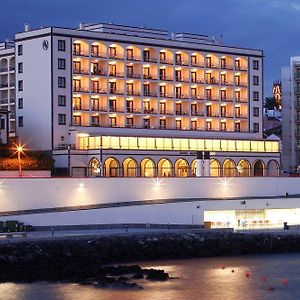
(270, 25)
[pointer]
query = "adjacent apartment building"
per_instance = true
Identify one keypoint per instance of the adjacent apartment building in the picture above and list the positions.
(113, 100)
(291, 115)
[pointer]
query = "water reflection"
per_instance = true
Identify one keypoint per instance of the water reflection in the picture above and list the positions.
(247, 277)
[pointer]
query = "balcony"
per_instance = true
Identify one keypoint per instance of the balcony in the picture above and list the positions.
(98, 91)
(150, 111)
(165, 78)
(80, 71)
(3, 70)
(80, 89)
(3, 85)
(12, 84)
(212, 66)
(116, 74)
(182, 96)
(133, 75)
(4, 101)
(116, 92)
(116, 109)
(133, 110)
(80, 107)
(240, 68)
(297, 90)
(99, 72)
(226, 82)
(211, 81)
(166, 112)
(242, 84)
(197, 113)
(80, 53)
(181, 112)
(150, 59)
(149, 94)
(196, 97)
(99, 54)
(194, 80)
(227, 99)
(165, 95)
(116, 56)
(297, 104)
(180, 62)
(181, 79)
(227, 66)
(197, 64)
(133, 93)
(242, 100)
(149, 76)
(166, 61)
(133, 58)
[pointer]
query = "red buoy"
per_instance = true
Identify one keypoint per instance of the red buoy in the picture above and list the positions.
(247, 274)
(285, 282)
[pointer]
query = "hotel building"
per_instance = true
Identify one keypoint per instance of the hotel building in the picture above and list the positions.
(290, 76)
(112, 100)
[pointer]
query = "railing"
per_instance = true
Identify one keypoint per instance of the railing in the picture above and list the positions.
(181, 79)
(133, 75)
(211, 81)
(227, 67)
(116, 56)
(133, 110)
(133, 58)
(80, 53)
(133, 93)
(241, 100)
(240, 68)
(12, 84)
(3, 84)
(181, 112)
(165, 78)
(181, 62)
(212, 66)
(166, 112)
(116, 92)
(150, 111)
(166, 61)
(79, 107)
(3, 70)
(193, 80)
(99, 72)
(244, 84)
(116, 74)
(98, 91)
(165, 95)
(226, 82)
(99, 54)
(12, 115)
(149, 76)
(196, 97)
(116, 109)
(197, 113)
(149, 94)
(4, 101)
(80, 89)
(150, 59)
(182, 96)
(227, 99)
(197, 64)
(81, 71)
(99, 108)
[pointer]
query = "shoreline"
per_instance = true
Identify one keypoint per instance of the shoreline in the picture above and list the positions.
(84, 259)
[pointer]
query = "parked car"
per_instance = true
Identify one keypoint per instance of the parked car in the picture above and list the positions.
(294, 173)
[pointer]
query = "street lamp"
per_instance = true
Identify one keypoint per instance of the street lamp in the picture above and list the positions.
(20, 150)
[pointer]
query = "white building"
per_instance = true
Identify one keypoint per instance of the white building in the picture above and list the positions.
(291, 114)
(131, 101)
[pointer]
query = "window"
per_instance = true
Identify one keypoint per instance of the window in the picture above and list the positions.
(20, 50)
(61, 82)
(20, 67)
(2, 123)
(255, 80)
(20, 121)
(20, 103)
(255, 96)
(61, 100)
(256, 111)
(61, 119)
(61, 45)
(61, 64)
(20, 85)
(255, 127)
(255, 64)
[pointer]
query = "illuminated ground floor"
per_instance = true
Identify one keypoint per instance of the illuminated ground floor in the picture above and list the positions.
(247, 219)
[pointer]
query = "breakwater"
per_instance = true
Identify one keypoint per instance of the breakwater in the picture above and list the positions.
(85, 260)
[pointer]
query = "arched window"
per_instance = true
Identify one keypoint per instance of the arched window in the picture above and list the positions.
(164, 168)
(214, 168)
(181, 168)
(148, 168)
(244, 168)
(273, 168)
(129, 167)
(94, 167)
(258, 168)
(229, 168)
(112, 167)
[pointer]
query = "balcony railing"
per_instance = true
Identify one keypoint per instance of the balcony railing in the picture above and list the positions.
(212, 81)
(166, 61)
(197, 113)
(80, 107)
(194, 80)
(165, 95)
(99, 72)
(133, 75)
(197, 64)
(212, 66)
(149, 94)
(12, 84)
(240, 68)
(181, 112)
(80, 89)
(98, 91)
(116, 74)
(3, 84)
(166, 112)
(4, 69)
(80, 71)
(80, 53)
(181, 79)
(149, 76)
(99, 108)
(150, 59)
(116, 56)
(133, 93)
(150, 111)
(4, 101)
(196, 97)
(182, 96)
(239, 83)
(133, 58)
(99, 54)
(116, 92)
(227, 66)
(133, 110)
(165, 78)
(116, 109)
(181, 62)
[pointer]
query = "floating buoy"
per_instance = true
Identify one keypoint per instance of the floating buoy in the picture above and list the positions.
(223, 268)
(247, 274)
(232, 271)
(285, 282)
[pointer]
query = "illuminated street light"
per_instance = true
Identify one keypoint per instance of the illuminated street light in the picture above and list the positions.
(20, 150)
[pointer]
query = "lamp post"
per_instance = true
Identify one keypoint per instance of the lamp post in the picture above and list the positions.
(19, 150)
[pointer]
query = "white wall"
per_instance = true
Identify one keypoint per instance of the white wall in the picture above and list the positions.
(19, 194)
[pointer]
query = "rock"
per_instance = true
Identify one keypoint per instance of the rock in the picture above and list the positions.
(157, 275)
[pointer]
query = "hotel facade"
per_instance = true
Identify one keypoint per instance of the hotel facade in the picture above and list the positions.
(111, 100)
